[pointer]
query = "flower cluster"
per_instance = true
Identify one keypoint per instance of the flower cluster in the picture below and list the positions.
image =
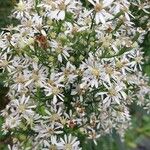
(73, 69)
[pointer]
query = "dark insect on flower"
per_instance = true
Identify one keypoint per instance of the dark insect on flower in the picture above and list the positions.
(109, 30)
(72, 124)
(42, 41)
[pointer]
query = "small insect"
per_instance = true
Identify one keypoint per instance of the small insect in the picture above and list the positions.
(109, 30)
(71, 124)
(42, 41)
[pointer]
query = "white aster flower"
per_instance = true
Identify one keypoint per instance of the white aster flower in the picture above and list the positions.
(99, 7)
(69, 143)
(60, 50)
(11, 122)
(92, 71)
(22, 107)
(54, 87)
(115, 94)
(23, 8)
(37, 76)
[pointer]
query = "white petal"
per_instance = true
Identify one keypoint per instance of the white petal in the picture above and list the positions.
(101, 17)
(91, 1)
(61, 15)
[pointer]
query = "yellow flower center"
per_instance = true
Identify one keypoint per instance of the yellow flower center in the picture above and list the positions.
(112, 92)
(53, 147)
(22, 108)
(20, 79)
(20, 6)
(138, 59)
(68, 147)
(54, 117)
(35, 76)
(62, 6)
(55, 90)
(95, 72)
(109, 70)
(98, 7)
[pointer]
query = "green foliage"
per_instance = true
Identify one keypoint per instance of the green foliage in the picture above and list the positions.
(5, 8)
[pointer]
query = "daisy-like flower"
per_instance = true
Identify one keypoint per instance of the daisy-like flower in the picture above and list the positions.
(92, 134)
(22, 107)
(122, 5)
(137, 59)
(122, 65)
(5, 63)
(51, 91)
(114, 94)
(74, 28)
(119, 5)
(99, 7)
(69, 73)
(69, 143)
(72, 120)
(37, 76)
(10, 123)
(143, 6)
(23, 8)
(5, 42)
(57, 9)
(54, 115)
(109, 71)
(60, 50)
(54, 87)
(80, 90)
(59, 13)
(46, 131)
(51, 144)
(19, 81)
(92, 71)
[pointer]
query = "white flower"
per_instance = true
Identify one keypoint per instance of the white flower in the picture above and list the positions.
(11, 122)
(51, 144)
(99, 7)
(92, 71)
(46, 131)
(123, 6)
(143, 6)
(37, 76)
(122, 65)
(60, 50)
(137, 59)
(69, 73)
(5, 42)
(23, 8)
(19, 81)
(51, 91)
(5, 63)
(69, 143)
(53, 87)
(114, 95)
(74, 28)
(120, 5)
(23, 107)
(61, 8)
(54, 115)
(92, 134)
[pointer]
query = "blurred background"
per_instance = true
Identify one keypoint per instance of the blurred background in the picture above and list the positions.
(136, 138)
